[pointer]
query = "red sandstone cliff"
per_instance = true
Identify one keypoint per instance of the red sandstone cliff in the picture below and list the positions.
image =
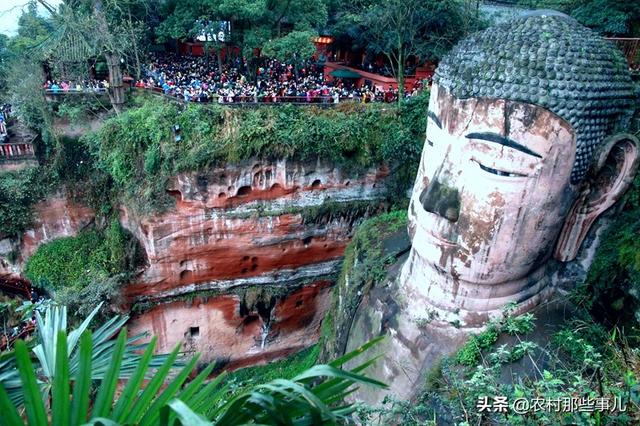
(242, 227)
(234, 229)
(55, 217)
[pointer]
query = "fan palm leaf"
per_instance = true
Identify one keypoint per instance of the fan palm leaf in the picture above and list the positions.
(308, 399)
(102, 349)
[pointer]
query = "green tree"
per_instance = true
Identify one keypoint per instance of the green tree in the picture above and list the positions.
(400, 29)
(254, 23)
(608, 17)
(293, 48)
(87, 29)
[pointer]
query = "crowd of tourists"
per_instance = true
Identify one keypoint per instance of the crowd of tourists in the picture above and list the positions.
(59, 86)
(5, 115)
(199, 79)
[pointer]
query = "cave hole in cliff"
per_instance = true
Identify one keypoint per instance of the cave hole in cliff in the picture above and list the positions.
(175, 194)
(222, 195)
(244, 191)
(299, 303)
(202, 183)
(249, 319)
(307, 240)
(258, 179)
(264, 306)
(194, 331)
(267, 174)
(185, 275)
(316, 183)
(347, 183)
(276, 186)
(223, 178)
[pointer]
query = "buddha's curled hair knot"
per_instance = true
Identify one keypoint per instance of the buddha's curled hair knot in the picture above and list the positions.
(553, 62)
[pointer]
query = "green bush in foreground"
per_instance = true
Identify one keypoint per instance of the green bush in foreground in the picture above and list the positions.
(581, 361)
(284, 369)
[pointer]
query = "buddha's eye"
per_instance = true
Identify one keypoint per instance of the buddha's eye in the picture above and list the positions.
(499, 172)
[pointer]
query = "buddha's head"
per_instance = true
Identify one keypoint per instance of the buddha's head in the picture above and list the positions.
(524, 151)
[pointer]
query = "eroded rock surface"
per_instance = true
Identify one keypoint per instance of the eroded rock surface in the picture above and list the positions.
(259, 225)
(55, 217)
(236, 332)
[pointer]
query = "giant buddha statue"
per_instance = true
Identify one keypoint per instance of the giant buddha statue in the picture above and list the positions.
(525, 148)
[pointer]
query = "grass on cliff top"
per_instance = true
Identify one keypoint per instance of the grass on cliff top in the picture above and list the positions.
(139, 149)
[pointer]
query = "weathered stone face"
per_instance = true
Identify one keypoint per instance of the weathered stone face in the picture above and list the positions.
(548, 59)
(491, 195)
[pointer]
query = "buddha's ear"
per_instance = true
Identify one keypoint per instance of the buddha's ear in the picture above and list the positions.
(613, 173)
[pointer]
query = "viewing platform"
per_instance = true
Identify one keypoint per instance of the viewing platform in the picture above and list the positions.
(19, 152)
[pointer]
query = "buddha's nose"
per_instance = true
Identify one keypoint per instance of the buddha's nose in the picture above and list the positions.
(441, 199)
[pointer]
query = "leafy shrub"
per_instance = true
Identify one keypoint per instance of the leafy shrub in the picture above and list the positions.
(471, 352)
(74, 263)
(580, 361)
(19, 192)
(285, 369)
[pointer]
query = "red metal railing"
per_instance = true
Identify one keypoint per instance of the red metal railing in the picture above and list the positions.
(10, 151)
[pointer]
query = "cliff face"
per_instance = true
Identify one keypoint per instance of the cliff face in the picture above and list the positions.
(280, 227)
(245, 225)
(236, 332)
(55, 217)
(240, 269)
